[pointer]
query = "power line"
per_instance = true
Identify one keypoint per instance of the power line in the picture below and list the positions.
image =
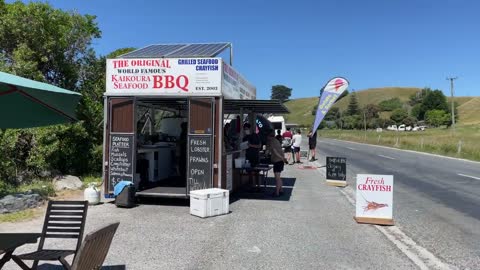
(451, 79)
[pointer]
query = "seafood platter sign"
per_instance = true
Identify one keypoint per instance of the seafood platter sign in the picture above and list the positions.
(374, 200)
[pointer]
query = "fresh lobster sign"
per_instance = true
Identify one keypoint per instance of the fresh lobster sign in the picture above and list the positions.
(374, 202)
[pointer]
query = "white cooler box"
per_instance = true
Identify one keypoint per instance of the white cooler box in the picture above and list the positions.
(209, 202)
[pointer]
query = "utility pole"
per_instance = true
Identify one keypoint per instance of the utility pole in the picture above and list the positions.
(451, 79)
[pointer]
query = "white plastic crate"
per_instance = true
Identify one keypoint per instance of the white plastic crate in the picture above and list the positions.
(209, 202)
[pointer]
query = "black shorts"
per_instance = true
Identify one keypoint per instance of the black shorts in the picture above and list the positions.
(287, 149)
(278, 167)
(312, 146)
(296, 149)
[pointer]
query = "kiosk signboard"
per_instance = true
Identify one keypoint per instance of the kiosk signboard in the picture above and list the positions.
(235, 86)
(164, 76)
(121, 159)
(200, 165)
(337, 171)
(374, 200)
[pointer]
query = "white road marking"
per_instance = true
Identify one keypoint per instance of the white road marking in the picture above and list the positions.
(254, 249)
(351, 148)
(419, 255)
(385, 156)
(469, 176)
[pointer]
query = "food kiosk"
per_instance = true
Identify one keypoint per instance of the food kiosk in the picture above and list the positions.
(164, 112)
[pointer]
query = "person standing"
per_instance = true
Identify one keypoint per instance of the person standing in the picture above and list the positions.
(252, 152)
(287, 144)
(278, 160)
(279, 137)
(254, 145)
(297, 142)
(312, 144)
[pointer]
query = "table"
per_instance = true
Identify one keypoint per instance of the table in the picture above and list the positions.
(261, 169)
(10, 241)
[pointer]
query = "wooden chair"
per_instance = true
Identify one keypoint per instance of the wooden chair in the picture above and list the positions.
(95, 248)
(64, 219)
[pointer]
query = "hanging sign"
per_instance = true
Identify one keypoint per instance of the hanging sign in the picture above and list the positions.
(337, 171)
(374, 200)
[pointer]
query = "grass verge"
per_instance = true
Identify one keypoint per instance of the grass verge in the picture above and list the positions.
(464, 143)
(19, 216)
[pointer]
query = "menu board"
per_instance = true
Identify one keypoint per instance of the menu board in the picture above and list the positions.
(121, 159)
(200, 163)
(337, 168)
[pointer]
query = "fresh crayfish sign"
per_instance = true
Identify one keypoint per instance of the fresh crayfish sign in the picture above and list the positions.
(374, 200)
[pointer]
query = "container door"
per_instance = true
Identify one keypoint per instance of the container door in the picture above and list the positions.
(200, 143)
(120, 142)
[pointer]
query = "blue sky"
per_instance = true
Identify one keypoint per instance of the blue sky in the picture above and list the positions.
(302, 44)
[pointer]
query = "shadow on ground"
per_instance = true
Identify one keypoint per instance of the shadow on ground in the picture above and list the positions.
(163, 201)
(266, 193)
(48, 266)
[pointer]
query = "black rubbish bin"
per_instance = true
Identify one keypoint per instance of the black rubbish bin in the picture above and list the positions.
(126, 198)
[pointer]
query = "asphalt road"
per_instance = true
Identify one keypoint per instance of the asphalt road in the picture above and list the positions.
(436, 199)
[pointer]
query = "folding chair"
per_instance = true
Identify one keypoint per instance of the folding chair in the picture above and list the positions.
(94, 249)
(64, 219)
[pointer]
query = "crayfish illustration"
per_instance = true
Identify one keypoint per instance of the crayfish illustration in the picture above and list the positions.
(372, 206)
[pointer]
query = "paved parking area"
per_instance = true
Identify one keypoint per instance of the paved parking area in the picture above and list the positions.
(310, 227)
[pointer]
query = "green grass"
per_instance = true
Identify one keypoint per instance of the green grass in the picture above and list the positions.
(42, 187)
(96, 179)
(301, 109)
(437, 141)
(18, 216)
(377, 95)
(469, 112)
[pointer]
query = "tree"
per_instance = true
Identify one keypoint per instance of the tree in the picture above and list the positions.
(410, 121)
(352, 122)
(418, 97)
(435, 100)
(46, 44)
(416, 111)
(353, 108)
(390, 104)
(90, 109)
(281, 92)
(371, 111)
(333, 114)
(54, 46)
(344, 94)
(399, 115)
(436, 118)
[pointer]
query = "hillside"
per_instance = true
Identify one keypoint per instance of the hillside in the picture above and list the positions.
(377, 95)
(469, 112)
(301, 109)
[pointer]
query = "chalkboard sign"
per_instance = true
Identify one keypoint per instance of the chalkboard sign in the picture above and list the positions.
(337, 168)
(121, 159)
(200, 163)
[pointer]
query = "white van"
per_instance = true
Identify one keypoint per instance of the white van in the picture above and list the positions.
(278, 123)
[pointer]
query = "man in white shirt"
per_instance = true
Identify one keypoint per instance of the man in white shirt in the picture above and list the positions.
(297, 141)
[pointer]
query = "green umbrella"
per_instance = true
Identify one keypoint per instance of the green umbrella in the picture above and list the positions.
(26, 103)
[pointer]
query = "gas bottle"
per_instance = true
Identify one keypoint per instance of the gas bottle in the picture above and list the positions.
(92, 194)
